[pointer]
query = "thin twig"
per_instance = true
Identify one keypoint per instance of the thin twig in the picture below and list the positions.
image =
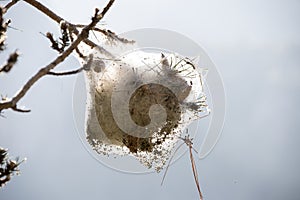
(42, 72)
(77, 50)
(76, 71)
(44, 10)
(9, 5)
(20, 110)
(39, 6)
(109, 34)
(188, 141)
(58, 19)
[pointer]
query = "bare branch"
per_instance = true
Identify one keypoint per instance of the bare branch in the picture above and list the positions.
(76, 71)
(58, 19)
(20, 110)
(109, 34)
(44, 71)
(44, 10)
(64, 40)
(9, 5)
(106, 8)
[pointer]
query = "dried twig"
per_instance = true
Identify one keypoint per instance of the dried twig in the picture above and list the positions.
(10, 4)
(44, 10)
(44, 71)
(76, 71)
(64, 40)
(58, 19)
(188, 141)
(39, 6)
(8, 167)
(109, 34)
(11, 61)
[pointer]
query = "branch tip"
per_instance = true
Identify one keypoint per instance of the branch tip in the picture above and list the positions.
(20, 110)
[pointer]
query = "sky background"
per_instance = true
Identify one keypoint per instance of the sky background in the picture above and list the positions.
(256, 48)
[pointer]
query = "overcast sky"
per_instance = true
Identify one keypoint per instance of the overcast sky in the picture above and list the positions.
(256, 48)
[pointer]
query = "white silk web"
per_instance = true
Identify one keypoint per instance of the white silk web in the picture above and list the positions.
(139, 101)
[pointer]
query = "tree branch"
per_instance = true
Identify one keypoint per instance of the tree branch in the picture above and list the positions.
(109, 34)
(44, 10)
(58, 19)
(42, 72)
(76, 71)
(9, 5)
(20, 110)
(39, 6)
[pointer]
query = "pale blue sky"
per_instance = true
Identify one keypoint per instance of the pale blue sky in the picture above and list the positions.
(254, 44)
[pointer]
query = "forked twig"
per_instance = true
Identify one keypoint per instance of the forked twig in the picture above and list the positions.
(188, 141)
(82, 36)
